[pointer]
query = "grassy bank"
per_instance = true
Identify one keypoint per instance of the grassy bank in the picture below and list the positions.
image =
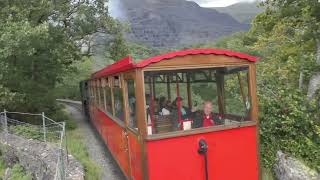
(79, 150)
(17, 172)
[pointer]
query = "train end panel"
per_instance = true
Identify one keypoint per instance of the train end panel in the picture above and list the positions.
(232, 154)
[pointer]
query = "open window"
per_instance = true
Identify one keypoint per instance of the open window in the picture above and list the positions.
(118, 98)
(188, 99)
(108, 99)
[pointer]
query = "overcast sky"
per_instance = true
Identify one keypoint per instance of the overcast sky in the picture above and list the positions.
(218, 3)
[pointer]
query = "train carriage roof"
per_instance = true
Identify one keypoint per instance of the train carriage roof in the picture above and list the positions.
(127, 63)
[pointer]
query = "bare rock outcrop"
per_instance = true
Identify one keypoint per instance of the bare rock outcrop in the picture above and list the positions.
(171, 23)
(37, 157)
(288, 168)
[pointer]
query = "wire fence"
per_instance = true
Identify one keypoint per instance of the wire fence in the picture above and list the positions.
(38, 127)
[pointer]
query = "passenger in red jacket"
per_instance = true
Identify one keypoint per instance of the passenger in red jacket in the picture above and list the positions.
(206, 118)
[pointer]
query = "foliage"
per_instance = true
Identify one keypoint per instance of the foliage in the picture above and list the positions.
(69, 87)
(284, 35)
(2, 167)
(79, 150)
(140, 51)
(39, 42)
(32, 132)
(288, 125)
(18, 173)
(118, 48)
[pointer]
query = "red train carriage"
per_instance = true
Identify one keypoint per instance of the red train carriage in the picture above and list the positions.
(189, 115)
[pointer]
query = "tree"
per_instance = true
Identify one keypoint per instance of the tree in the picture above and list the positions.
(40, 40)
(286, 36)
(302, 18)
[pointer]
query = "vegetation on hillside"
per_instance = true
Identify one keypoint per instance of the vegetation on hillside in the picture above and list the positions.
(42, 57)
(243, 12)
(285, 37)
(42, 42)
(78, 149)
(17, 172)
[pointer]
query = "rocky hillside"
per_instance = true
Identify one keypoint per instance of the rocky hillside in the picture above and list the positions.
(243, 12)
(171, 23)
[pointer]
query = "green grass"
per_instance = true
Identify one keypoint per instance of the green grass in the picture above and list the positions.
(2, 167)
(267, 174)
(17, 172)
(79, 150)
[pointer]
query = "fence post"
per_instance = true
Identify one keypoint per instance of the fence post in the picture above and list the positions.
(61, 165)
(44, 127)
(5, 121)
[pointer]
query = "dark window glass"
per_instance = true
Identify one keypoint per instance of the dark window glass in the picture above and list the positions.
(118, 103)
(108, 99)
(132, 104)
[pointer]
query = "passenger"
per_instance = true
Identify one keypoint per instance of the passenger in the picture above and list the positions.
(162, 101)
(166, 109)
(156, 109)
(206, 118)
(164, 106)
(186, 113)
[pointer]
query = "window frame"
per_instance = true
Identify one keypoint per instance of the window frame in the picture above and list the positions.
(130, 76)
(251, 87)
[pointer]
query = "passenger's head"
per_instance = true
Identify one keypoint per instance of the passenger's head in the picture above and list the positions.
(177, 100)
(156, 104)
(207, 107)
(148, 99)
(162, 101)
(168, 103)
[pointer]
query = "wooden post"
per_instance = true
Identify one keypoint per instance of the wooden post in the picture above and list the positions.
(254, 108)
(112, 96)
(241, 90)
(44, 127)
(141, 119)
(168, 88)
(141, 104)
(253, 93)
(125, 100)
(153, 87)
(220, 91)
(189, 92)
(5, 121)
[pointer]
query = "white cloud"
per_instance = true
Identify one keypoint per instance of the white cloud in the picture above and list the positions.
(219, 3)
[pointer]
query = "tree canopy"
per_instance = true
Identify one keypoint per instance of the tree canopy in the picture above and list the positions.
(39, 42)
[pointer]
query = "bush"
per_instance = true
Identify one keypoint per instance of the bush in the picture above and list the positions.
(18, 173)
(78, 149)
(287, 124)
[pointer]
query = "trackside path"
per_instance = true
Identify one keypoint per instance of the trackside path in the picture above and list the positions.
(98, 152)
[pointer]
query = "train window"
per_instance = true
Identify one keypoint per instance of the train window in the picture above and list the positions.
(108, 99)
(95, 96)
(118, 99)
(101, 94)
(132, 104)
(187, 99)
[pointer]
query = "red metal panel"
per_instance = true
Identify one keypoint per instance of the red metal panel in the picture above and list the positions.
(155, 59)
(135, 157)
(114, 135)
(232, 154)
(119, 66)
(127, 64)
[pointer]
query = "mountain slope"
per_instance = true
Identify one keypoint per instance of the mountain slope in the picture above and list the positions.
(243, 12)
(171, 23)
